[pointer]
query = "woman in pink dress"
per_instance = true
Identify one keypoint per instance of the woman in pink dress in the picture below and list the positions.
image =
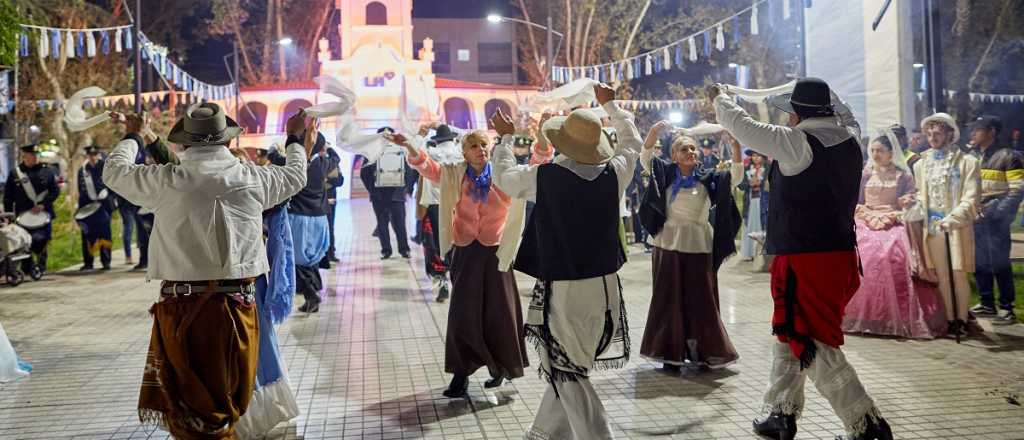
(890, 301)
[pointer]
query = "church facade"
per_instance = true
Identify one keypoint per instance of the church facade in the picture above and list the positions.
(391, 75)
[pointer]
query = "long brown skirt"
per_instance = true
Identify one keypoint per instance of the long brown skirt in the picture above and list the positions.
(485, 320)
(198, 382)
(683, 323)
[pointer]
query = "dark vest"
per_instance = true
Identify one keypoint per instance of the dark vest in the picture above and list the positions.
(573, 233)
(813, 211)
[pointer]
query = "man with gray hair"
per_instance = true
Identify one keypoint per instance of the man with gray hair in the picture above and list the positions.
(207, 248)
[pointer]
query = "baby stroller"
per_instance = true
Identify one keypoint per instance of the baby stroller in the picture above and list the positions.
(15, 244)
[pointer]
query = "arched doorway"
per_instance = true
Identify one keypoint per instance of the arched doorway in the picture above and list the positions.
(492, 106)
(457, 113)
(253, 117)
(376, 14)
(290, 109)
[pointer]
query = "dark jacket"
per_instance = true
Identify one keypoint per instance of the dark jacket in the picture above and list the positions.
(761, 191)
(95, 173)
(725, 216)
(43, 178)
(1002, 181)
(312, 200)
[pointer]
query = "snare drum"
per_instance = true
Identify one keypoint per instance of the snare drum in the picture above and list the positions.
(90, 216)
(32, 220)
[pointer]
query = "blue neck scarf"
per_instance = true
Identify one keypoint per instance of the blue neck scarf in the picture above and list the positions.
(683, 181)
(481, 184)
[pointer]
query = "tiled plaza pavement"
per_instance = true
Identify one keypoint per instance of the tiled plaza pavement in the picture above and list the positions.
(370, 364)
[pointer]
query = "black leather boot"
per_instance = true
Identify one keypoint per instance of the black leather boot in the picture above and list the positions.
(776, 426)
(878, 429)
(457, 388)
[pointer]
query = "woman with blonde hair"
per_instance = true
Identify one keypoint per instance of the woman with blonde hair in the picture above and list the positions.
(482, 227)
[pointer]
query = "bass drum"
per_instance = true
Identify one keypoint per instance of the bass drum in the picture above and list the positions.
(32, 220)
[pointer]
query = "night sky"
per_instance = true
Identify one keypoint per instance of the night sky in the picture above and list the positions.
(205, 60)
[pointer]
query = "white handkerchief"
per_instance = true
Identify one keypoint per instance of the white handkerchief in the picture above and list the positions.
(75, 117)
(332, 86)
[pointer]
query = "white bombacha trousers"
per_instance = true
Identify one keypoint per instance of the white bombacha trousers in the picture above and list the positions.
(937, 249)
(832, 375)
(575, 413)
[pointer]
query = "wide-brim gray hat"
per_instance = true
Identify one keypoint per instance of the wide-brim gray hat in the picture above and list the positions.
(204, 124)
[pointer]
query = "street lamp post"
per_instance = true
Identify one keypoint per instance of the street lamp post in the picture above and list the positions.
(138, 56)
(494, 18)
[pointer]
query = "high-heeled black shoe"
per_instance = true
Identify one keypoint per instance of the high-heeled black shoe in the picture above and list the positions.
(776, 426)
(457, 388)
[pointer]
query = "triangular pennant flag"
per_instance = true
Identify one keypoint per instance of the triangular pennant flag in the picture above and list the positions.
(612, 72)
(667, 61)
(679, 55)
(693, 49)
(117, 40)
(648, 69)
(720, 37)
(105, 42)
(707, 43)
(753, 20)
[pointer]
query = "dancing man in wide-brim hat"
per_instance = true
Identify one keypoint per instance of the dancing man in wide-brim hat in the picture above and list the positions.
(571, 242)
(815, 181)
(207, 247)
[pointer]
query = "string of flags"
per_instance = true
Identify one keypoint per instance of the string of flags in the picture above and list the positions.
(712, 38)
(158, 99)
(92, 42)
(1001, 98)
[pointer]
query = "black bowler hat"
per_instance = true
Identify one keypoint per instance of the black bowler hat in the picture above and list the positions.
(30, 148)
(386, 129)
(92, 150)
(988, 122)
(443, 133)
(811, 98)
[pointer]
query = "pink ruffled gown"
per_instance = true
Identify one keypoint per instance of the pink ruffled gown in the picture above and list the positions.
(890, 301)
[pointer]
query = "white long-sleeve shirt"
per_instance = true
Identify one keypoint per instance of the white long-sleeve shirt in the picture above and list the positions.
(520, 181)
(788, 145)
(208, 210)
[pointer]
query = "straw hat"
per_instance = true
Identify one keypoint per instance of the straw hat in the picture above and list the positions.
(579, 137)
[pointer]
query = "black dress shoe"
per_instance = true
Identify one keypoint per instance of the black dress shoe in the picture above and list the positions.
(494, 382)
(776, 426)
(106, 267)
(671, 368)
(85, 268)
(310, 307)
(385, 256)
(140, 267)
(878, 429)
(457, 388)
(405, 255)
